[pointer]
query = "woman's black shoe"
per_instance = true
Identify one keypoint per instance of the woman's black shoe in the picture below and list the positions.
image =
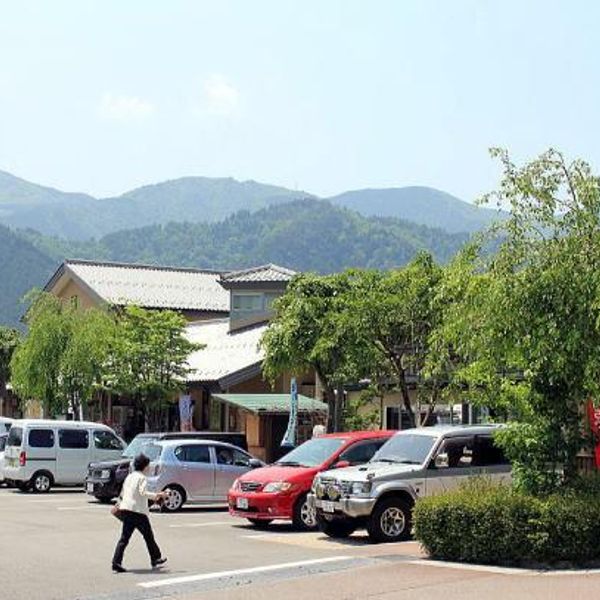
(159, 562)
(119, 569)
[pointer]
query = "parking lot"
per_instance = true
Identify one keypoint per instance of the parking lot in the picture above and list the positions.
(59, 546)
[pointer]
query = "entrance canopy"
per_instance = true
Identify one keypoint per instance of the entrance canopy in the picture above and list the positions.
(271, 403)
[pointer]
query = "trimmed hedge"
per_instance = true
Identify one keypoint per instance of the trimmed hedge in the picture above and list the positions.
(488, 523)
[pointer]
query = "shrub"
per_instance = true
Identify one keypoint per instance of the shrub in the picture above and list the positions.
(488, 523)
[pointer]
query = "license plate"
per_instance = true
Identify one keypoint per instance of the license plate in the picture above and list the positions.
(90, 488)
(327, 507)
(242, 503)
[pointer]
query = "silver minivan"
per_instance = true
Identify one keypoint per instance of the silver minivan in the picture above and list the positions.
(195, 471)
(40, 454)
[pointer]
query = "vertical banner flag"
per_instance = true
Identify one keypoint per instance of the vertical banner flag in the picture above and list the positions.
(594, 417)
(289, 439)
(185, 412)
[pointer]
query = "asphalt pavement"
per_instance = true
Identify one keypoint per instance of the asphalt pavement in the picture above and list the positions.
(58, 546)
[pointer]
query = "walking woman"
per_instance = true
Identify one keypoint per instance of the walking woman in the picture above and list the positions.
(133, 512)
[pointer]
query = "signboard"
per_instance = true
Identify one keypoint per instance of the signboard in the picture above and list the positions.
(594, 418)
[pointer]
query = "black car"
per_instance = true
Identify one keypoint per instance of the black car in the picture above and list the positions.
(105, 479)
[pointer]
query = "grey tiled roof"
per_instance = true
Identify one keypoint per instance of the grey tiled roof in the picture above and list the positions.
(152, 287)
(225, 353)
(264, 273)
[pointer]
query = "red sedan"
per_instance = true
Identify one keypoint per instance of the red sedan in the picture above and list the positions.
(278, 491)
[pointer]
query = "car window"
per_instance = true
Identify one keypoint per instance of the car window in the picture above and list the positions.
(197, 454)
(152, 451)
(41, 438)
(361, 452)
(73, 439)
(230, 456)
(105, 440)
(486, 453)
(15, 437)
(459, 451)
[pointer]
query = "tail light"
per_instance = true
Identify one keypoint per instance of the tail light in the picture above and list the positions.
(22, 459)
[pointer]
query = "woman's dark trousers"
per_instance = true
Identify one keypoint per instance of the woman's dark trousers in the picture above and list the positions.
(131, 522)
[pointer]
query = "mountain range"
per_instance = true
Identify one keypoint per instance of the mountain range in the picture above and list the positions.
(222, 223)
(24, 205)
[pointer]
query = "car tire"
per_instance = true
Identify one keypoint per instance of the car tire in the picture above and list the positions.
(336, 528)
(175, 500)
(390, 521)
(260, 523)
(304, 518)
(104, 499)
(41, 482)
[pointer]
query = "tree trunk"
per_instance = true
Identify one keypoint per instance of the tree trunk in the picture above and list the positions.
(405, 400)
(338, 422)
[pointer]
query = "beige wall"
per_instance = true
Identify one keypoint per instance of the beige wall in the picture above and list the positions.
(72, 289)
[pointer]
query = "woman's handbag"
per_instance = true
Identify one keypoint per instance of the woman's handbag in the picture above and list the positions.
(116, 512)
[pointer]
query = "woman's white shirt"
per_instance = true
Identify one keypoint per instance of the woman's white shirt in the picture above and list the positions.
(135, 496)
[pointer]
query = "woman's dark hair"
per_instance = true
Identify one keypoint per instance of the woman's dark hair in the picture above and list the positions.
(140, 462)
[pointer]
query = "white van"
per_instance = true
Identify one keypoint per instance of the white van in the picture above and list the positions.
(40, 454)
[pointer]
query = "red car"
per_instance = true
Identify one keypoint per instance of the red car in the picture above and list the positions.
(278, 491)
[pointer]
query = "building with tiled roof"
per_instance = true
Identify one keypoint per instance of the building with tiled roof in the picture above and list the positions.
(196, 293)
(268, 274)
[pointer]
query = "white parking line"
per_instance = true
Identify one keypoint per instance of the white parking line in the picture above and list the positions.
(500, 570)
(213, 524)
(219, 574)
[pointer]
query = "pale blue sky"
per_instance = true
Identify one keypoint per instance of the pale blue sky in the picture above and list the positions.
(320, 95)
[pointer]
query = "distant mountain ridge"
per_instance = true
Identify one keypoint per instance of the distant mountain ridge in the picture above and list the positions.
(25, 205)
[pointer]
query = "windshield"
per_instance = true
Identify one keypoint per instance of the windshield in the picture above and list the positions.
(137, 446)
(152, 451)
(312, 453)
(406, 449)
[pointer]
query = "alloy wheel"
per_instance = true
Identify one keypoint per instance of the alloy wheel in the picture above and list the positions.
(308, 515)
(392, 522)
(41, 483)
(174, 500)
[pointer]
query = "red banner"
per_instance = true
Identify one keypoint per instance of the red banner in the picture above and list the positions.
(594, 418)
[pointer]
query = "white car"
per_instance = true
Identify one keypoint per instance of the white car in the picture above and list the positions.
(3, 437)
(41, 453)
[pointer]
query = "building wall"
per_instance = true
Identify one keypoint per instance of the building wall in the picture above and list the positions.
(74, 290)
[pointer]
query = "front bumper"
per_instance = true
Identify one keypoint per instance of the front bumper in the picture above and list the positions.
(102, 488)
(261, 506)
(350, 507)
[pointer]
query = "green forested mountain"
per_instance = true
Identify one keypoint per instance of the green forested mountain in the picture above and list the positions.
(423, 205)
(25, 205)
(194, 199)
(303, 235)
(22, 267)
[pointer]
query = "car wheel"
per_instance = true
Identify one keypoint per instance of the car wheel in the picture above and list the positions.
(175, 500)
(336, 528)
(41, 482)
(260, 523)
(390, 521)
(104, 499)
(304, 517)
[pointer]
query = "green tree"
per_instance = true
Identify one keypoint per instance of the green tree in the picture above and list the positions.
(36, 363)
(150, 359)
(394, 314)
(9, 340)
(87, 357)
(524, 323)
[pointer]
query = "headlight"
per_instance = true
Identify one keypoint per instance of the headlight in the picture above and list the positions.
(105, 474)
(361, 487)
(277, 486)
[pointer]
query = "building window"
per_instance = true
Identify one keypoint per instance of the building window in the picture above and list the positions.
(248, 302)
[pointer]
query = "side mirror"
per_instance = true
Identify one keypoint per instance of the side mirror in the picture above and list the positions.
(254, 463)
(441, 461)
(341, 464)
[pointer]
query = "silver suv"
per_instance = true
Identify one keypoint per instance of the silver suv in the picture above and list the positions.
(414, 463)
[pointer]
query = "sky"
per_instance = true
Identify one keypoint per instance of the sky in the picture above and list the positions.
(319, 95)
